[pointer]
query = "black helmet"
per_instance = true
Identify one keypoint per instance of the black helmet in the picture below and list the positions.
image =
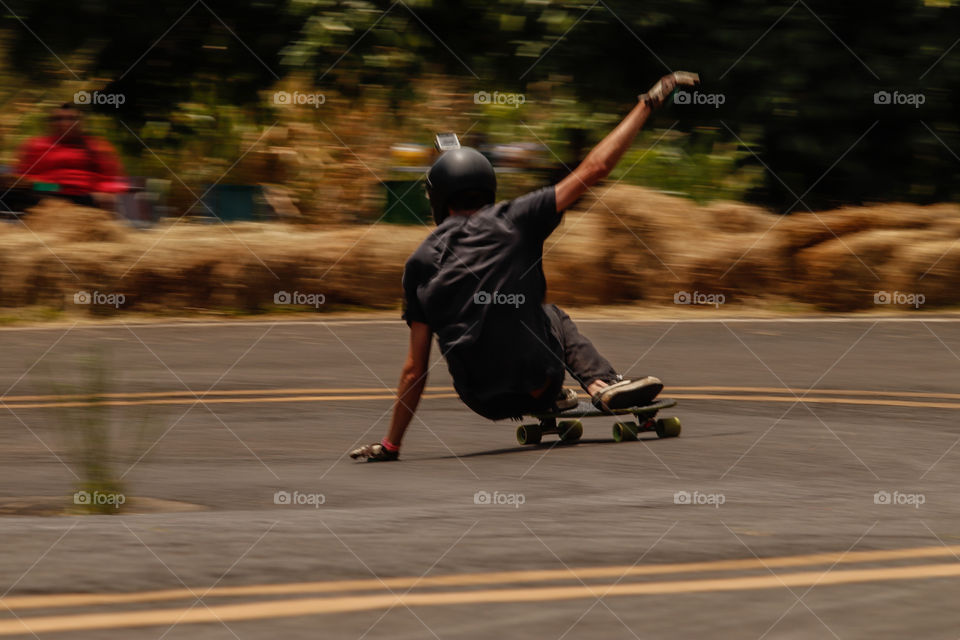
(458, 170)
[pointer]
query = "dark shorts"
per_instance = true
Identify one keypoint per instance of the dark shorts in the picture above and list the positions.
(495, 377)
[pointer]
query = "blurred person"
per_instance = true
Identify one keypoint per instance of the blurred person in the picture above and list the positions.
(78, 167)
(477, 282)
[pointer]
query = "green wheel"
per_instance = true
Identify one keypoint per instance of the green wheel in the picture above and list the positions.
(570, 430)
(529, 434)
(625, 431)
(668, 427)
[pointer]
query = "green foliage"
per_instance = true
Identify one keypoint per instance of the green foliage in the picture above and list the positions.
(798, 78)
(678, 164)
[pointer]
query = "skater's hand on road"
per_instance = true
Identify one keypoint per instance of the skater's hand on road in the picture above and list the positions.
(665, 86)
(375, 452)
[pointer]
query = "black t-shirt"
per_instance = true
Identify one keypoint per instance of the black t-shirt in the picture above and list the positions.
(477, 281)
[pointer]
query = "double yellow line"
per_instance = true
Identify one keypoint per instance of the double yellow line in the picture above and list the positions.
(229, 396)
(541, 586)
(921, 400)
(910, 399)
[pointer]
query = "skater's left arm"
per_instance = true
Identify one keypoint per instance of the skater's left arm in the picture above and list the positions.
(413, 380)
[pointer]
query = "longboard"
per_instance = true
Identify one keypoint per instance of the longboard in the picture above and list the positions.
(570, 429)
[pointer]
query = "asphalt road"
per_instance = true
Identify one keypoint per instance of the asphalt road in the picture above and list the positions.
(763, 520)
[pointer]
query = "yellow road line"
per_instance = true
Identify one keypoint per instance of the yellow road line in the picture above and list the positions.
(857, 401)
(272, 609)
(189, 399)
(477, 579)
(845, 392)
(322, 394)
(204, 394)
(374, 390)
(127, 403)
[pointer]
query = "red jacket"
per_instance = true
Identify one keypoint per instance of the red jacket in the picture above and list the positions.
(88, 166)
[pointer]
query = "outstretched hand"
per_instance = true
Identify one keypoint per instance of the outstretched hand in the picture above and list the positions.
(665, 86)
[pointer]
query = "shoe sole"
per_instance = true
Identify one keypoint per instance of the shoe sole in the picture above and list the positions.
(635, 397)
(567, 405)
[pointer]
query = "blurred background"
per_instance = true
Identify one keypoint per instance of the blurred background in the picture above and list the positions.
(322, 113)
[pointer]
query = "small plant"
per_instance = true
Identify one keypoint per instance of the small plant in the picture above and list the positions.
(84, 418)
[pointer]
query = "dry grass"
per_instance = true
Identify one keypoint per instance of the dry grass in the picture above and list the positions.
(629, 244)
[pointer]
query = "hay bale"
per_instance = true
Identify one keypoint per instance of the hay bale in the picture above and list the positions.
(621, 244)
(71, 223)
(931, 269)
(736, 217)
(802, 230)
(577, 263)
(845, 273)
(738, 265)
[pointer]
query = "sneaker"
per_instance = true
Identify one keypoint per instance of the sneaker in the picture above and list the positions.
(375, 452)
(567, 400)
(628, 393)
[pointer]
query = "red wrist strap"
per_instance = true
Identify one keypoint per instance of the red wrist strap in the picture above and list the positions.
(389, 446)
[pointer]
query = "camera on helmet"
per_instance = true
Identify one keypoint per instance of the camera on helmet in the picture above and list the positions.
(446, 142)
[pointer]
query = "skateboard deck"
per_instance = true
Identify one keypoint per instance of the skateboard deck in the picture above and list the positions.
(570, 429)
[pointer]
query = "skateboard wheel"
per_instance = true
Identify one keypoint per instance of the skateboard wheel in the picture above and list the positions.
(570, 430)
(529, 434)
(668, 427)
(625, 431)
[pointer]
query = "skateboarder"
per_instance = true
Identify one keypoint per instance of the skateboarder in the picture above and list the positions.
(477, 282)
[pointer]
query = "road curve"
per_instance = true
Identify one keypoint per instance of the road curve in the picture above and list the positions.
(813, 491)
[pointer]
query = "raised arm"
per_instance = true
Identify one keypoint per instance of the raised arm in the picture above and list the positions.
(604, 157)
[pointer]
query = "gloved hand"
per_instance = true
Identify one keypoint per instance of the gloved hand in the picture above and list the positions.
(665, 86)
(375, 452)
